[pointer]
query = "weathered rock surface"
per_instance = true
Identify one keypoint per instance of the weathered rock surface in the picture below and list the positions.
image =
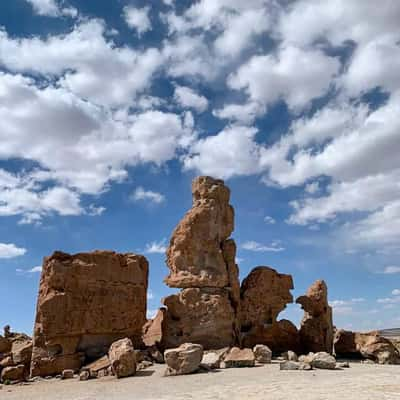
(98, 367)
(22, 352)
(13, 374)
(323, 360)
(122, 358)
(5, 345)
(201, 259)
(86, 302)
(290, 356)
(195, 256)
(289, 366)
(183, 360)
(366, 345)
(262, 353)
(316, 331)
(264, 294)
(238, 358)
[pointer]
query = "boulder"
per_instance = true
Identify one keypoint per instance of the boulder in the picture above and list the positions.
(307, 359)
(184, 359)
(86, 302)
(122, 358)
(237, 358)
(22, 352)
(369, 345)
(323, 360)
(289, 366)
(84, 375)
(13, 374)
(290, 356)
(67, 374)
(201, 261)
(264, 294)
(316, 331)
(262, 354)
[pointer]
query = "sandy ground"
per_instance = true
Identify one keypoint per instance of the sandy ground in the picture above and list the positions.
(360, 382)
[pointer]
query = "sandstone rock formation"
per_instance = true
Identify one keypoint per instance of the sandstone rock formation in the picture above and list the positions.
(184, 359)
(122, 358)
(201, 259)
(86, 302)
(264, 294)
(15, 355)
(316, 331)
(366, 345)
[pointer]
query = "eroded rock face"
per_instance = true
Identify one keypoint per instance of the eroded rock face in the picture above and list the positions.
(195, 256)
(201, 259)
(264, 294)
(366, 345)
(316, 331)
(86, 302)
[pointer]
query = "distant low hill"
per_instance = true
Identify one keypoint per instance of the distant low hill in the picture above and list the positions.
(391, 333)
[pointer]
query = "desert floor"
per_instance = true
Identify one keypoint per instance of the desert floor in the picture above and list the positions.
(361, 381)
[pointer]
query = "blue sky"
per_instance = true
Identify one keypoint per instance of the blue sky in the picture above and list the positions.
(109, 109)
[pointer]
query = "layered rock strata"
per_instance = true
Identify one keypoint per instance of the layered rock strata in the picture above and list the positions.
(316, 331)
(201, 259)
(264, 294)
(86, 302)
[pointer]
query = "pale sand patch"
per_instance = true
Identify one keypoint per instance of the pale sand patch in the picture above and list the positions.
(360, 382)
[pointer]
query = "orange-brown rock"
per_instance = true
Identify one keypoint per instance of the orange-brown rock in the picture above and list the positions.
(201, 259)
(87, 301)
(370, 345)
(316, 331)
(264, 294)
(203, 316)
(195, 255)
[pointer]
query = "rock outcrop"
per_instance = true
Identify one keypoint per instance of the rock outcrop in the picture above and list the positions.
(264, 294)
(86, 302)
(316, 331)
(369, 345)
(201, 259)
(15, 355)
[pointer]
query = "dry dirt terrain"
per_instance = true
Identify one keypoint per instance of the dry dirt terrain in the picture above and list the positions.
(361, 381)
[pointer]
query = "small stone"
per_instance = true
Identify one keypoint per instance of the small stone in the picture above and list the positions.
(290, 356)
(84, 375)
(323, 360)
(262, 353)
(67, 374)
(289, 366)
(184, 359)
(238, 358)
(344, 364)
(156, 355)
